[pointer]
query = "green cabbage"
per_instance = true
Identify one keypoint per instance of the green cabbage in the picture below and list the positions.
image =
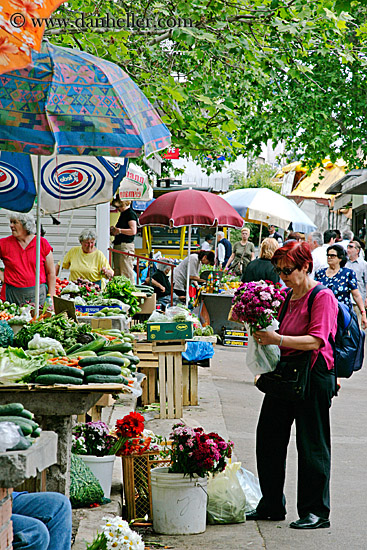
(16, 365)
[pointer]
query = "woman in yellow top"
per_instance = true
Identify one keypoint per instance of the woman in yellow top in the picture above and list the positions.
(86, 261)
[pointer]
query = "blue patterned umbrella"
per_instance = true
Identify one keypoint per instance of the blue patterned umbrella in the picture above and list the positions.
(72, 103)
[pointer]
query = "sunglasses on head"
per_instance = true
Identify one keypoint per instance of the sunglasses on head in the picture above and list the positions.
(286, 270)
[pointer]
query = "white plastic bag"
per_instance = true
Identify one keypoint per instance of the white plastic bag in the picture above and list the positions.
(261, 359)
(251, 487)
(226, 498)
(39, 345)
(9, 436)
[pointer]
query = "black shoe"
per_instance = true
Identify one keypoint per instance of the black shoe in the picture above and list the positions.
(310, 522)
(255, 515)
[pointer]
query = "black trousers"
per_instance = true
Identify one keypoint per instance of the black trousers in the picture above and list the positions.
(313, 446)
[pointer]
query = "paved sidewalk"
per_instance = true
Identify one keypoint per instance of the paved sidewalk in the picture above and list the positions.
(209, 415)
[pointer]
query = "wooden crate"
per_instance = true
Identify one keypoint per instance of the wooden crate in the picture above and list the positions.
(190, 384)
(136, 483)
(149, 366)
(96, 412)
(170, 377)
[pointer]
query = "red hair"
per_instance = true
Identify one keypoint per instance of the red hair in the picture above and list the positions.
(299, 253)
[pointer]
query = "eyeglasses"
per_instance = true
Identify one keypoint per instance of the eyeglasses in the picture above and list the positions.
(286, 270)
(331, 255)
(350, 246)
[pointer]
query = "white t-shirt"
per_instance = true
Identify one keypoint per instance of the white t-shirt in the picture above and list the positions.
(221, 252)
(319, 259)
(180, 272)
(206, 246)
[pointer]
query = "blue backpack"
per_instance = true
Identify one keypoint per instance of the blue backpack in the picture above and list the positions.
(349, 339)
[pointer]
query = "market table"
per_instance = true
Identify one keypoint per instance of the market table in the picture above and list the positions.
(54, 406)
(218, 307)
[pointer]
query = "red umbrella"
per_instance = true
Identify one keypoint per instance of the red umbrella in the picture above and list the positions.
(190, 207)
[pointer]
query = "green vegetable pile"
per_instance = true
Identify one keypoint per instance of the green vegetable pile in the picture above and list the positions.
(15, 365)
(122, 288)
(16, 413)
(6, 334)
(58, 327)
(139, 327)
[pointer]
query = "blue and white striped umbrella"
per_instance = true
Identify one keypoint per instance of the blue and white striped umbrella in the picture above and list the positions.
(263, 205)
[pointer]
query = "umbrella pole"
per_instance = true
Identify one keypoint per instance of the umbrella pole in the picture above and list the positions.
(216, 246)
(38, 239)
(188, 265)
(261, 229)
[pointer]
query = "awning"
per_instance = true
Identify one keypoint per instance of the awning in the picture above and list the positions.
(354, 183)
(324, 177)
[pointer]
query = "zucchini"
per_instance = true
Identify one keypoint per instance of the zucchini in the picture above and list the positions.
(111, 354)
(61, 369)
(51, 379)
(11, 409)
(123, 347)
(102, 361)
(73, 349)
(114, 370)
(83, 354)
(26, 428)
(106, 379)
(134, 359)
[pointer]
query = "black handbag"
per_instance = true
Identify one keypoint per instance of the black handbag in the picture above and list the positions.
(291, 378)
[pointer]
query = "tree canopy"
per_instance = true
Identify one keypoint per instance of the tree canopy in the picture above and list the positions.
(226, 75)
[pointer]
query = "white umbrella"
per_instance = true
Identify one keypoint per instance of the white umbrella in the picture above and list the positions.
(264, 205)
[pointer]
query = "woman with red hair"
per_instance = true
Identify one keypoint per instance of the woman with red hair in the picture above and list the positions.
(299, 333)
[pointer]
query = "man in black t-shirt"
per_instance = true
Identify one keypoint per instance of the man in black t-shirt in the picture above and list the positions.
(124, 233)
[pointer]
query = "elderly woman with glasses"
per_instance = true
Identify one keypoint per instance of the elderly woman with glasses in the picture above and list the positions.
(86, 261)
(341, 280)
(18, 253)
(300, 332)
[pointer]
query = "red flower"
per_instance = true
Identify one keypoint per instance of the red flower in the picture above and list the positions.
(132, 425)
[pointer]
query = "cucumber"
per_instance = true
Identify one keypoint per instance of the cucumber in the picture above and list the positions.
(11, 409)
(102, 361)
(26, 428)
(51, 379)
(73, 349)
(129, 337)
(36, 432)
(61, 369)
(114, 370)
(123, 347)
(25, 414)
(111, 354)
(95, 345)
(106, 379)
(134, 359)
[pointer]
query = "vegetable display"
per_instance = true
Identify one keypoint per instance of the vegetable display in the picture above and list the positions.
(16, 365)
(121, 286)
(59, 327)
(6, 334)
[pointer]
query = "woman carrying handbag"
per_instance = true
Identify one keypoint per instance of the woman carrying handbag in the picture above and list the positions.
(302, 337)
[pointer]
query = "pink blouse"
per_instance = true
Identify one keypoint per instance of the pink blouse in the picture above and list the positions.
(323, 321)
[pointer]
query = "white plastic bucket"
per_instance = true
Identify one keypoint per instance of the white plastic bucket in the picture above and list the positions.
(102, 467)
(178, 503)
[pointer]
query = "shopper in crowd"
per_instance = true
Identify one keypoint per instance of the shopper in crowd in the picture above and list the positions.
(180, 272)
(359, 266)
(224, 250)
(341, 280)
(274, 233)
(208, 243)
(318, 251)
(41, 521)
(243, 252)
(124, 232)
(299, 332)
(329, 238)
(347, 236)
(262, 268)
(162, 285)
(294, 236)
(18, 253)
(86, 261)
(338, 237)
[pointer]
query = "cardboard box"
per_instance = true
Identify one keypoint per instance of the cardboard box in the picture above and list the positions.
(104, 324)
(170, 331)
(149, 305)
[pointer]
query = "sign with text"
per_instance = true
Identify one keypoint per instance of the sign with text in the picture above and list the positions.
(172, 153)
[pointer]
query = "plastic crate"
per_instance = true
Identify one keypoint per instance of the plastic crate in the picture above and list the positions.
(136, 483)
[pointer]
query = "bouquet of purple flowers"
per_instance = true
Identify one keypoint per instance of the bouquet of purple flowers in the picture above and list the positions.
(257, 305)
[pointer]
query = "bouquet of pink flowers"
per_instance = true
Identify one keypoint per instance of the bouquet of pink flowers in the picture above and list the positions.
(257, 304)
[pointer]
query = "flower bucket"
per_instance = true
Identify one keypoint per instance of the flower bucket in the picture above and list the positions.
(102, 467)
(178, 503)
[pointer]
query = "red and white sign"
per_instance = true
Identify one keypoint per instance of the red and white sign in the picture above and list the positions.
(171, 153)
(135, 185)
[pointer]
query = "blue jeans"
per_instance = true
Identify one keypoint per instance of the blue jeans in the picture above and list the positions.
(41, 521)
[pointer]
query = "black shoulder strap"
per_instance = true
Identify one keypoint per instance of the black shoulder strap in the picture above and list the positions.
(283, 311)
(312, 296)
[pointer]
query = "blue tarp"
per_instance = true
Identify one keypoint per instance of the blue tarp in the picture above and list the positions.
(198, 351)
